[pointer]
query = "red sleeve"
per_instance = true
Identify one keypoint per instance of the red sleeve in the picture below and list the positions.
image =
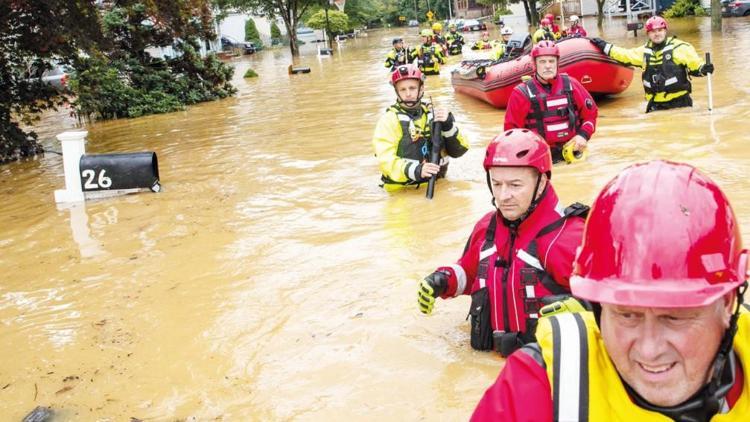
(558, 252)
(517, 110)
(469, 261)
(587, 110)
(521, 393)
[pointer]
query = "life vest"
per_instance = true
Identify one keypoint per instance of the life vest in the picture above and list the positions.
(534, 282)
(397, 58)
(587, 386)
(662, 74)
(553, 116)
(416, 137)
(428, 60)
(455, 42)
(482, 45)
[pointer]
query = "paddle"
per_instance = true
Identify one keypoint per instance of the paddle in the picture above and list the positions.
(437, 145)
(710, 91)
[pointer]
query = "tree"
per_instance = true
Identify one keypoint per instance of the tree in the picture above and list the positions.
(290, 11)
(251, 33)
(275, 31)
(600, 13)
(32, 33)
(338, 22)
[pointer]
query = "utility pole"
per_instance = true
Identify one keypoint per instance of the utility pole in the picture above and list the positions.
(715, 15)
(450, 14)
(416, 11)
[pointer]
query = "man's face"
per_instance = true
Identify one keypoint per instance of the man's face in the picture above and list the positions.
(426, 39)
(398, 45)
(513, 188)
(506, 38)
(485, 37)
(657, 36)
(665, 353)
(408, 89)
(546, 67)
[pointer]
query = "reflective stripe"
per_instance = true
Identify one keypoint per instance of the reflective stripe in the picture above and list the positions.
(648, 51)
(559, 126)
(646, 83)
(460, 278)
(403, 117)
(451, 132)
(557, 102)
(607, 49)
(482, 283)
(530, 93)
(668, 47)
(570, 369)
(411, 168)
(529, 259)
(670, 81)
(487, 252)
(530, 291)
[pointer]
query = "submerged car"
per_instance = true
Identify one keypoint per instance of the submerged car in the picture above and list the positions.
(228, 43)
(473, 25)
(735, 8)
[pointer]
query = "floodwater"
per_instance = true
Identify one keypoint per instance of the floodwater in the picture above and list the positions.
(272, 279)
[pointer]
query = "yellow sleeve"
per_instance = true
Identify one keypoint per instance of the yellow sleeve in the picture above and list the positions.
(440, 54)
(538, 35)
(497, 52)
(385, 141)
(685, 54)
(629, 56)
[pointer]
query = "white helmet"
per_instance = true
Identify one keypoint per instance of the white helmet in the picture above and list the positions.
(506, 31)
(574, 18)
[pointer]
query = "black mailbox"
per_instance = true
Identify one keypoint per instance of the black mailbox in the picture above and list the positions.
(633, 26)
(138, 170)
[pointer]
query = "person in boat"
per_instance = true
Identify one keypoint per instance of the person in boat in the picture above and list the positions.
(519, 255)
(669, 335)
(667, 64)
(398, 55)
(454, 39)
(554, 105)
(437, 37)
(483, 43)
(498, 50)
(544, 32)
(403, 135)
(428, 55)
(553, 23)
(576, 29)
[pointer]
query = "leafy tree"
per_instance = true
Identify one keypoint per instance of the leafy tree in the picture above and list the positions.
(682, 8)
(31, 34)
(275, 31)
(252, 34)
(338, 22)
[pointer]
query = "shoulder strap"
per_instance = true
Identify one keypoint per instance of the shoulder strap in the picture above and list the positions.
(488, 248)
(574, 210)
(570, 370)
(532, 95)
(572, 108)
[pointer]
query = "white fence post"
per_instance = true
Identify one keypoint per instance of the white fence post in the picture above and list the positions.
(73, 147)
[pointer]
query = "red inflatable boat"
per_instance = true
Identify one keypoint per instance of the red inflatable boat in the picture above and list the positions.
(493, 82)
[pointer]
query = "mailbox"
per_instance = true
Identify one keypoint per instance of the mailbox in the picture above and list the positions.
(138, 170)
(633, 26)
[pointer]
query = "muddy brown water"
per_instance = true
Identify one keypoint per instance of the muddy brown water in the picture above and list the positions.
(272, 279)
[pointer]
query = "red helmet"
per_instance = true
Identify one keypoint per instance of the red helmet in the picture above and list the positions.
(544, 48)
(406, 71)
(519, 148)
(545, 22)
(550, 17)
(660, 234)
(655, 22)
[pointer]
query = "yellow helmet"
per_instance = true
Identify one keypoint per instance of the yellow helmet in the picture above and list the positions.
(437, 26)
(426, 33)
(452, 26)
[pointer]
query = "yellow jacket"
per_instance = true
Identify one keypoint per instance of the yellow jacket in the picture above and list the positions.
(592, 382)
(498, 50)
(681, 59)
(402, 143)
(429, 58)
(544, 34)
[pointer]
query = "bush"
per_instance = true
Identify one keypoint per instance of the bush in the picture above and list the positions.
(275, 31)
(250, 74)
(502, 12)
(683, 8)
(252, 34)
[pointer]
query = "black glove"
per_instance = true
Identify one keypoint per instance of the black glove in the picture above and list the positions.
(599, 43)
(433, 286)
(447, 125)
(706, 69)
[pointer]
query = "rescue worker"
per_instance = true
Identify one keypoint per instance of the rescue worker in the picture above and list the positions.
(484, 43)
(576, 30)
(553, 24)
(429, 56)
(398, 55)
(437, 35)
(544, 32)
(557, 107)
(454, 39)
(669, 335)
(517, 254)
(402, 138)
(667, 65)
(498, 50)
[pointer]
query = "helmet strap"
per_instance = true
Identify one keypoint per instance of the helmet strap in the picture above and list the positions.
(410, 104)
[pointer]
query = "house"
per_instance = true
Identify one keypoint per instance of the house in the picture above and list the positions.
(470, 9)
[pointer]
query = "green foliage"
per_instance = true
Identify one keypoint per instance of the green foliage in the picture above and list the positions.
(682, 8)
(126, 81)
(275, 31)
(32, 33)
(252, 34)
(338, 22)
(250, 74)
(502, 12)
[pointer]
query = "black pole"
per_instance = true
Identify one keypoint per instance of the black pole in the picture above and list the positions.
(437, 145)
